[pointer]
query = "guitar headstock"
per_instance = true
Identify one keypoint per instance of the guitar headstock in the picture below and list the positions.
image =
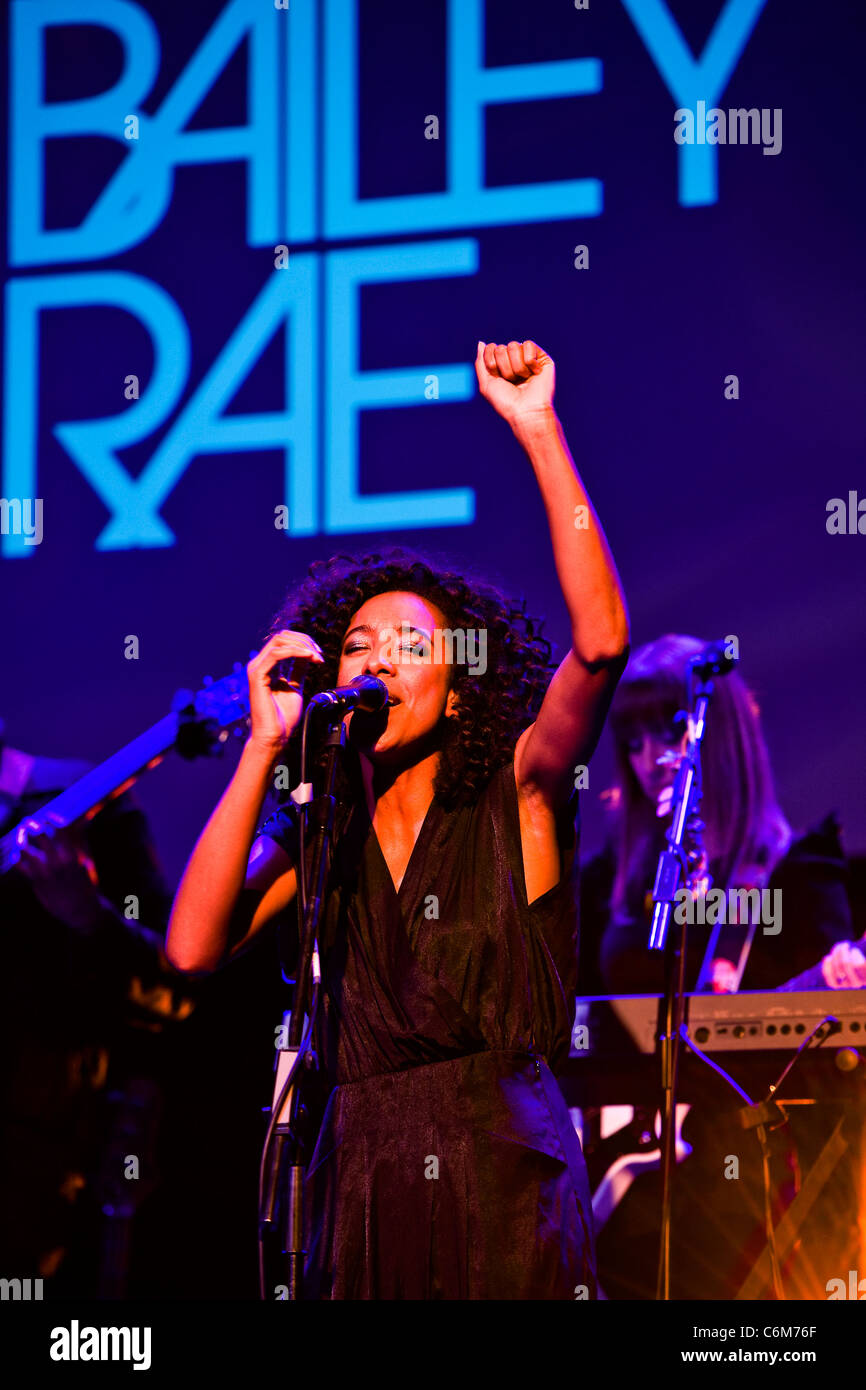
(216, 707)
(199, 723)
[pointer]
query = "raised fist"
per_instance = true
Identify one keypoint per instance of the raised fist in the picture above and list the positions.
(518, 379)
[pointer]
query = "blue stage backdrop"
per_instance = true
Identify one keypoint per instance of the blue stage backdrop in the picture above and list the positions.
(250, 248)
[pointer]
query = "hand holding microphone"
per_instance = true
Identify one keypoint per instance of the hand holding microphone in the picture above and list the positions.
(276, 697)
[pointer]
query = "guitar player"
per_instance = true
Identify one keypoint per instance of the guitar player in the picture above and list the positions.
(83, 981)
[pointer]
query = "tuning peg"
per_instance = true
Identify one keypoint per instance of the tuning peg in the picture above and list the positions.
(183, 699)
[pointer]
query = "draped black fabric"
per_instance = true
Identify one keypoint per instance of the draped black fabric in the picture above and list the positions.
(447, 1165)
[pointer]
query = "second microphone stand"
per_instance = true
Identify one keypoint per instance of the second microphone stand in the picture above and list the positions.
(682, 864)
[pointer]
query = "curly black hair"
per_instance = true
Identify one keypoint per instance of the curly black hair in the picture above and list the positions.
(492, 708)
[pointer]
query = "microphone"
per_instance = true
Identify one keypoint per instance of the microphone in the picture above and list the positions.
(713, 661)
(364, 692)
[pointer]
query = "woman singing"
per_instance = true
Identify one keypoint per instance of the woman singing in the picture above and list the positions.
(446, 1164)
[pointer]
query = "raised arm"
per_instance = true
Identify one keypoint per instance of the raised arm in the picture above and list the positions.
(518, 380)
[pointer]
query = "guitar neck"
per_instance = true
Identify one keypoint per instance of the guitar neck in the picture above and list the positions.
(100, 784)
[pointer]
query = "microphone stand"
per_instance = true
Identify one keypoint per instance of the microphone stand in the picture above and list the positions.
(682, 862)
(287, 1110)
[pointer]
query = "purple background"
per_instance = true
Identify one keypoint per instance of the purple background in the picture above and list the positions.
(715, 510)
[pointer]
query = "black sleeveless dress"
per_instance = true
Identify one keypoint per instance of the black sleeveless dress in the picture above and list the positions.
(446, 1165)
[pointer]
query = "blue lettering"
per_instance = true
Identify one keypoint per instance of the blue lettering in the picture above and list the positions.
(470, 88)
(689, 81)
(349, 390)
